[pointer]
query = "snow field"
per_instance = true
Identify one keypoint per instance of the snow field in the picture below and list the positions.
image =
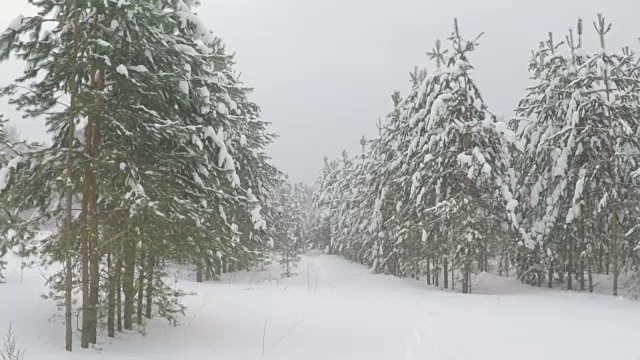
(334, 309)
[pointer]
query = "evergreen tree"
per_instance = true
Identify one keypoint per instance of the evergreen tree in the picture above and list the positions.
(579, 151)
(145, 141)
(291, 226)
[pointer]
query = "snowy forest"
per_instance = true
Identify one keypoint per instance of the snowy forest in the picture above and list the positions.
(449, 187)
(158, 181)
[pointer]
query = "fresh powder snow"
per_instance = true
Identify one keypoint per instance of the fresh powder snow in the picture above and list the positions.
(334, 309)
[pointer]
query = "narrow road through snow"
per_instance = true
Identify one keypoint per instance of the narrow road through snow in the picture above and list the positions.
(334, 309)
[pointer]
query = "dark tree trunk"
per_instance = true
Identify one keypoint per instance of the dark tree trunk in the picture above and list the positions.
(94, 244)
(128, 282)
(198, 273)
(539, 273)
(428, 271)
(561, 267)
(140, 289)
(581, 275)
(445, 272)
(570, 265)
(84, 257)
(111, 302)
(607, 261)
(582, 252)
(465, 278)
(436, 272)
(94, 287)
(600, 259)
(614, 248)
(85, 242)
(506, 265)
(453, 273)
(118, 290)
(590, 276)
(150, 271)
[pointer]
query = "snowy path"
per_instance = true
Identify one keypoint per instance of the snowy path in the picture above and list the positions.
(337, 310)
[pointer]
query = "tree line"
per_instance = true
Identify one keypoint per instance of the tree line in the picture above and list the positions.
(449, 188)
(157, 157)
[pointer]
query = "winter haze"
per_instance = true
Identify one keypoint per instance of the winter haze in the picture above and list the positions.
(324, 70)
(495, 215)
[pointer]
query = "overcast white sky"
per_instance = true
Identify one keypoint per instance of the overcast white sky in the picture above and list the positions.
(324, 69)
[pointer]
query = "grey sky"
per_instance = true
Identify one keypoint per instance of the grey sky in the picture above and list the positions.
(324, 69)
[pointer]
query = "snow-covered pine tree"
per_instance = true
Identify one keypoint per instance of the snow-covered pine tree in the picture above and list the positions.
(342, 201)
(353, 237)
(324, 202)
(579, 152)
(51, 176)
(246, 141)
(5, 146)
(394, 223)
(537, 254)
(11, 150)
(290, 226)
(133, 64)
(451, 160)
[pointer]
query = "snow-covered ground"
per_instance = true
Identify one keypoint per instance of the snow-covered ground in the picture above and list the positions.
(337, 310)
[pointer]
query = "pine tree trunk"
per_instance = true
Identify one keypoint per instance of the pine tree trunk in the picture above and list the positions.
(550, 280)
(612, 172)
(506, 265)
(590, 276)
(600, 259)
(94, 284)
(467, 275)
(561, 268)
(150, 271)
(218, 266)
(288, 270)
(453, 274)
(581, 275)
(583, 251)
(464, 282)
(486, 260)
(570, 265)
(140, 289)
(436, 272)
(111, 303)
(198, 273)
(614, 248)
(128, 282)
(85, 238)
(428, 272)
(68, 287)
(84, 253)
(445, 272)
(95, 256)
(465, 278)
(481, 257)
(118, 289)
(539, 273)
